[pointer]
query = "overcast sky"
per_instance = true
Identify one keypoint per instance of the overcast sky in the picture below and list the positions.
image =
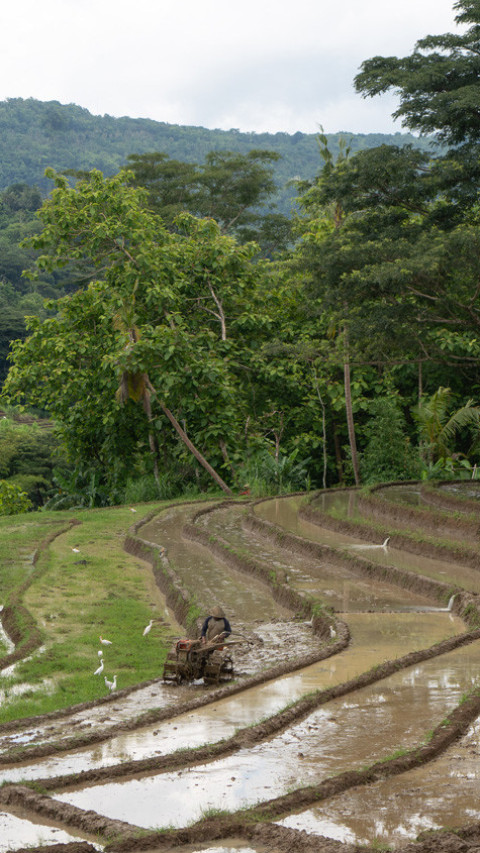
(255, 65)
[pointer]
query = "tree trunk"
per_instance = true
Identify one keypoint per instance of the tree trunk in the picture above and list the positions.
(349, 411)
(171, 417)
(324, 430)
(151, 438)
(226, 458)
(338, 454)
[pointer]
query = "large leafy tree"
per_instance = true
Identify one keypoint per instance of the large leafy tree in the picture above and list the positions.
(437, 84)
(153, 327)
(233, 189)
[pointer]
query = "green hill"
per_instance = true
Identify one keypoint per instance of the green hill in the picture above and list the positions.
(36, 134)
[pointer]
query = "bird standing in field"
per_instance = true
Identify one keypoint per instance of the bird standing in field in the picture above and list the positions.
(100, 654)
(105, 642)
(112, 685)
(99, 670)
(148, 628)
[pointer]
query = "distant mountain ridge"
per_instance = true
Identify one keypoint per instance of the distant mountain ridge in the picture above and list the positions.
(36, 134)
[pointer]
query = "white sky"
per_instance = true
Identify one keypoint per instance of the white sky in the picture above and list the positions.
(255, 65)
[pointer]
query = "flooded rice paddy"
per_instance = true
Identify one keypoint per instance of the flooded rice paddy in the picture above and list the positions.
(369, 724)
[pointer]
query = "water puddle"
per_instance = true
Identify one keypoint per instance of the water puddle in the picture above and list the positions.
(346, 733)
(443, 793)
(230, 846)
(408, 495)
(18, 832)
(375, 638)
(238, 594)
(283, 513)
(462, 490)
(338, 587)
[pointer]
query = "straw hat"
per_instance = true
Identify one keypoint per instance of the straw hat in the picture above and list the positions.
(217, 612)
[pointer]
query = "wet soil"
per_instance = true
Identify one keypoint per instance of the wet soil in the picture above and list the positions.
(352, 726)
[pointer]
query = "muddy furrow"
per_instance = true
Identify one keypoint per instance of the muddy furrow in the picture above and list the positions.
(224, 826)
(425, 543)
(288, 590)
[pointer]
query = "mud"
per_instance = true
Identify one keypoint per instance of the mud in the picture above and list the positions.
(378, 504)
(372, 529)
(256, 827)
(287, 513)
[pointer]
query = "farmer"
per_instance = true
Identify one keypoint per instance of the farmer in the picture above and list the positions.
(216, 626)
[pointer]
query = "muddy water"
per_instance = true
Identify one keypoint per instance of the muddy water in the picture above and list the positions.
(374, 640)
(199, 571)
(398, 710)
(444, 793)
(408, 495)
(13, 828)
(283, 512)
(231, 846)
(468, 489)
(345, 734)
(339, 588)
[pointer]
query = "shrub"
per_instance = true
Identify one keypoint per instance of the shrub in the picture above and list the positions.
(388, 454)
(12, 499)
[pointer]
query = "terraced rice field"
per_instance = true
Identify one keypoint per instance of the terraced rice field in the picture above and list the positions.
(352, 721)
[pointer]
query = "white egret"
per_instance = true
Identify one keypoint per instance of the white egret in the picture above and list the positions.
(364, 547)
(105, 642)
(100, 653)
(100, 669)
(148, 628)
(76, 550)
(112, 685)
(333, 632)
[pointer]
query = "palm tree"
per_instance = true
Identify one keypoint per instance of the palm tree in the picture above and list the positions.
(438, 429)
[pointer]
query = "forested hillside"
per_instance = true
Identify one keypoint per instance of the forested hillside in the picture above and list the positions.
(194, 339)
(35, 135)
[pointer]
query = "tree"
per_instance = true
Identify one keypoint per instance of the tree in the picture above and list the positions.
(438, 429)
(438, 84)
(72, 364)
(13, 499)
(388, 453)
(233, 189)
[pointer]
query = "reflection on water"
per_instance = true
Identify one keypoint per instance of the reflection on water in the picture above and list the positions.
(409, 495)
(343, 734)
(375, 638)
(284, 513)
(469, 489)
(16, 832)
(346, 733)
(239, 594)
(444, 793)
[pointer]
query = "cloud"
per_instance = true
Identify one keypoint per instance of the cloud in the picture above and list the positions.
(258, 65)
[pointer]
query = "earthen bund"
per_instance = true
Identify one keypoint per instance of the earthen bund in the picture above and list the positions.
(255, 824)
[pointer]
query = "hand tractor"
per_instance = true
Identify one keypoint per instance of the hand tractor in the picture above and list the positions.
(191, 660)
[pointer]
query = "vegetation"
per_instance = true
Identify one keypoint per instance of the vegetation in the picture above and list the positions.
(76, 596)
(36, 135)
(179, 356)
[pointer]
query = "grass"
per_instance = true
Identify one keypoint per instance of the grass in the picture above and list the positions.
(75, 596)
(20, 535)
